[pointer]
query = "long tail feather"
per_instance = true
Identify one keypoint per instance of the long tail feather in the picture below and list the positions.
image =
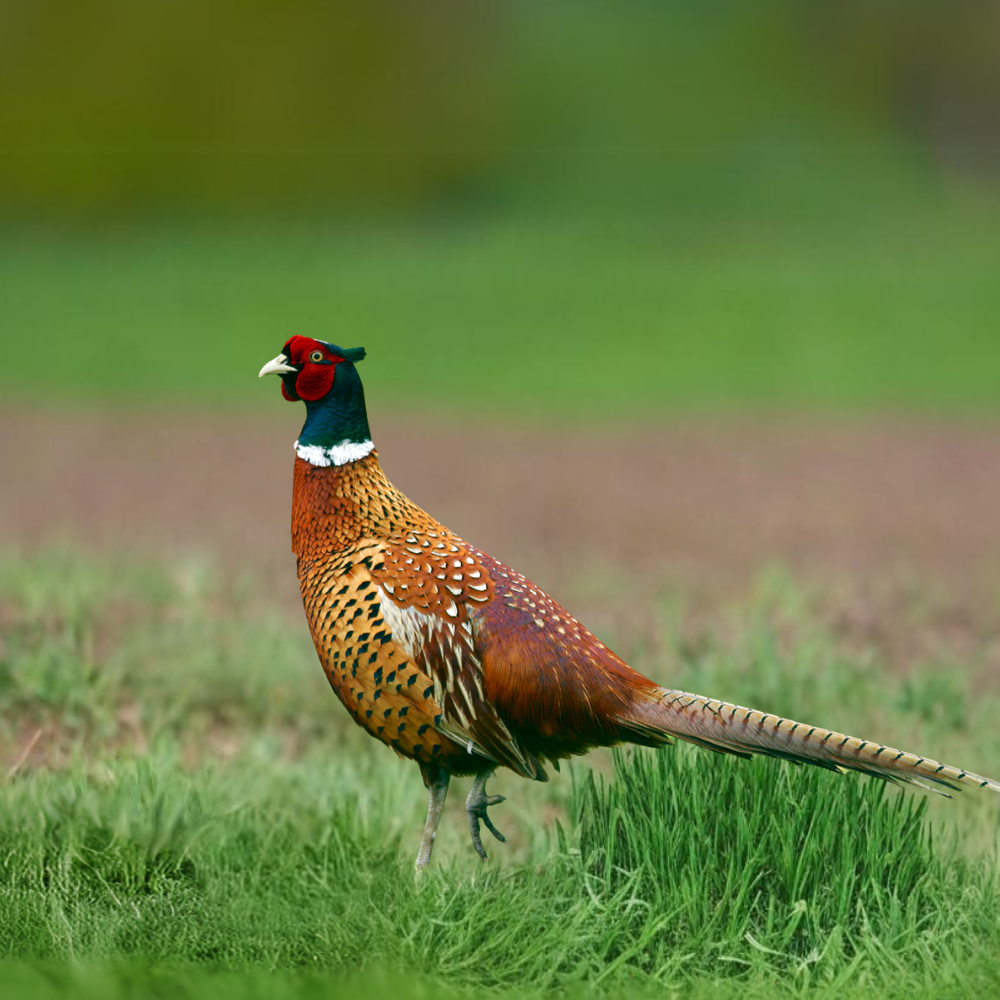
(726, 728)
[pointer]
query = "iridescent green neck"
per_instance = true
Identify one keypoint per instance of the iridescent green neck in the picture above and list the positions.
(336, 428)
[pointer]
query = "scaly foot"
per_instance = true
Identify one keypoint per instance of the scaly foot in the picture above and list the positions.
(475, 807)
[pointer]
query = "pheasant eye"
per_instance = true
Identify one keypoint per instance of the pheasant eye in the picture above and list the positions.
(316, 356)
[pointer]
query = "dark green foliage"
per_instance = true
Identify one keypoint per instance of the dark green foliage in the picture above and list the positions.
(121, 110)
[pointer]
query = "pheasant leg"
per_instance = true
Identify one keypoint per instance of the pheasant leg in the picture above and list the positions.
(436, 779)
(475, 807)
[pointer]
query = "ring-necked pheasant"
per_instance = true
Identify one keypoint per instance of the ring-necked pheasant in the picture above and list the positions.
(460, 663)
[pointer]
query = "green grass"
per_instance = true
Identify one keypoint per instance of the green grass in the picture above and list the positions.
(200, 818)
(584, 320)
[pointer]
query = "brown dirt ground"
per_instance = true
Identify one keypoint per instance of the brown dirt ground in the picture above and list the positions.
(869, 512)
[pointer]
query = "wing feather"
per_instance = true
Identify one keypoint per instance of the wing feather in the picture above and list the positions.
(435, 622)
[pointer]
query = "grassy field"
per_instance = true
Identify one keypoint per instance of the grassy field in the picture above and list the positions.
(197, 817)
(186, 811)
(888, 310)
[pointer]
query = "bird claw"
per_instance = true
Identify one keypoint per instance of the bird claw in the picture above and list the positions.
(475, 807)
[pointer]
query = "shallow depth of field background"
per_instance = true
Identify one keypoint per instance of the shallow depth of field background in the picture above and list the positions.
(689, 312)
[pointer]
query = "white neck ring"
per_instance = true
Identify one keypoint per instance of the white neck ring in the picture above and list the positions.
(336, 454)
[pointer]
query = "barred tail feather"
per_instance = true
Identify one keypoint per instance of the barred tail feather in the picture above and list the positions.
(726, 728)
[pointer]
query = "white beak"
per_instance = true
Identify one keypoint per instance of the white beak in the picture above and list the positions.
(278, 366)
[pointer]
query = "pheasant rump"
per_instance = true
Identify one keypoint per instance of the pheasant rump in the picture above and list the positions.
(457, 661)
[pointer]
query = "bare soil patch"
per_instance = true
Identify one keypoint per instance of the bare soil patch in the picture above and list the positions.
(871, 512)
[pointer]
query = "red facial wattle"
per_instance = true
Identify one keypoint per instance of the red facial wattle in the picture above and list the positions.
(315, 379)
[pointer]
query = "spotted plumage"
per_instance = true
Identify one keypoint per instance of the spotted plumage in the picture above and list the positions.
(462, 664)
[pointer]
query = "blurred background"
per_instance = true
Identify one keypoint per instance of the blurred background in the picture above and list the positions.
(688, 311)
(748, 253)
(573, 207)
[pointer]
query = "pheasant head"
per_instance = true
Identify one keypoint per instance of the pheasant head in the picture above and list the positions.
(323, 376)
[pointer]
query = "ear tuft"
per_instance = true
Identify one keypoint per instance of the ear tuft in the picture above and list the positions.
(353, 354)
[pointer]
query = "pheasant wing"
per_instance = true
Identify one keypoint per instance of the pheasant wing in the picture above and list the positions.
(434, 587)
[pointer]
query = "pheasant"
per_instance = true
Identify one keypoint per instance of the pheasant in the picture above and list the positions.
(462, 664)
